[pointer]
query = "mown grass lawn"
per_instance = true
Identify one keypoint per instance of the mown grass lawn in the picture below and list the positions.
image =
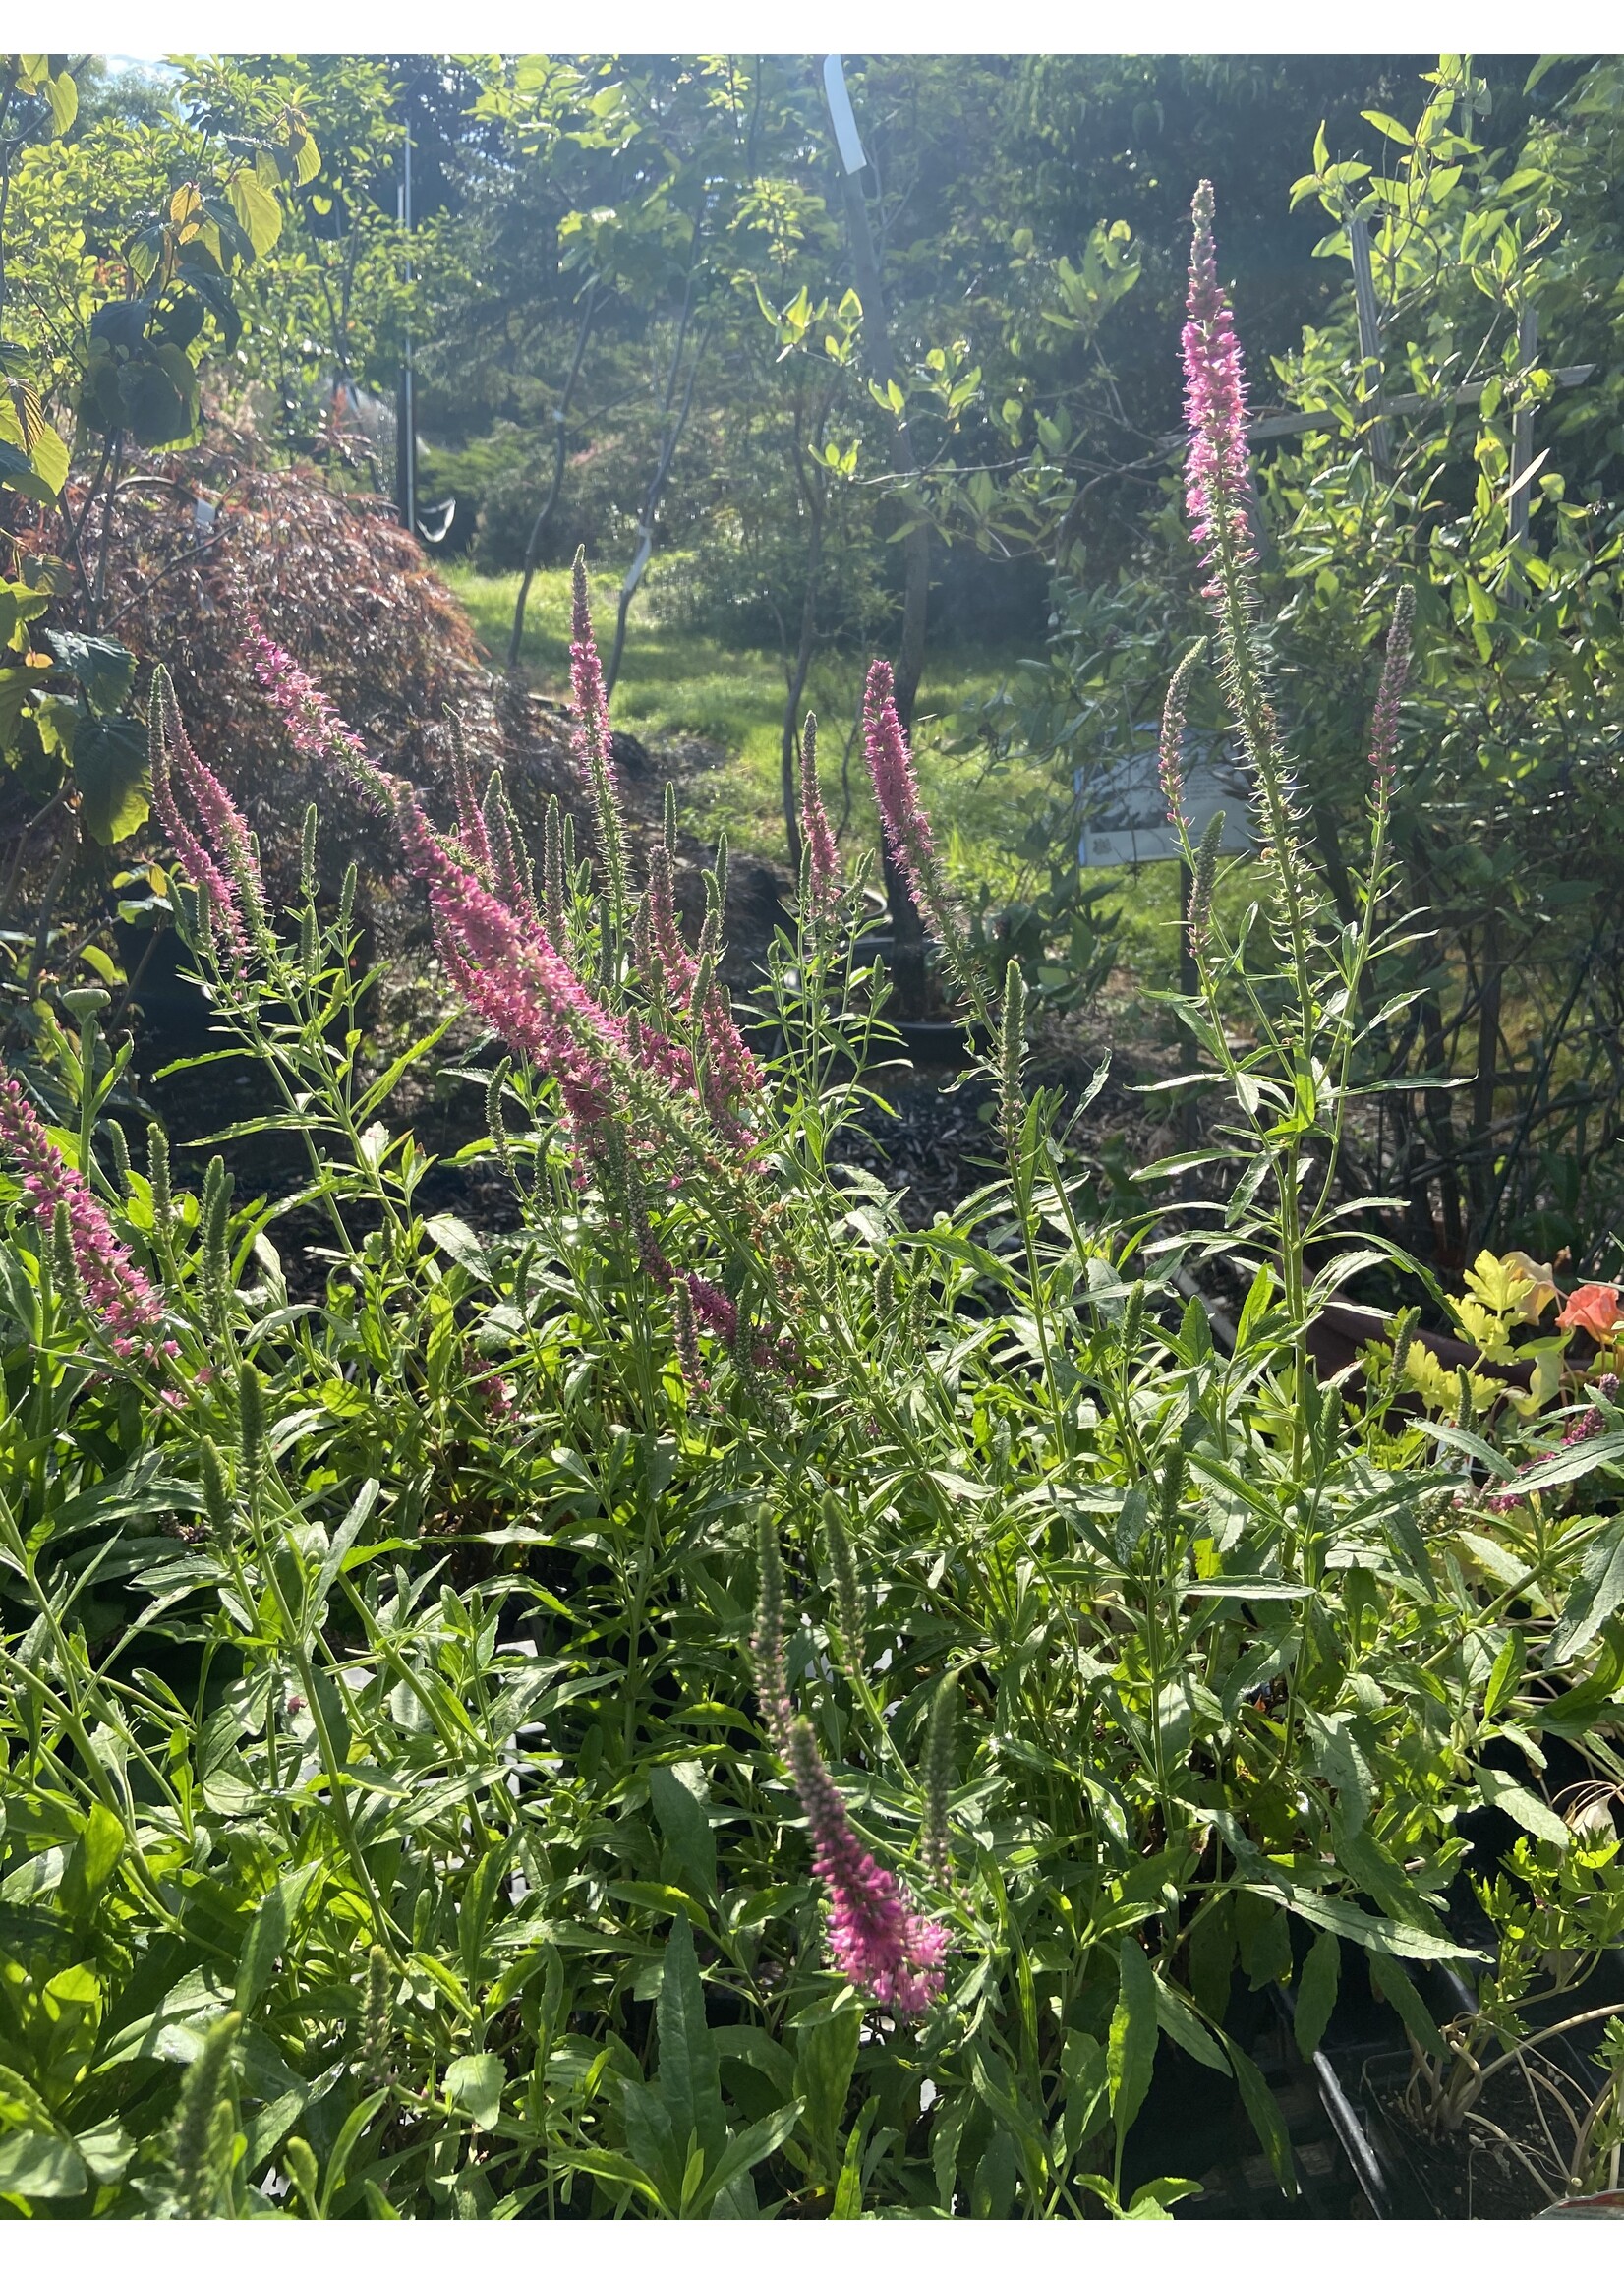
(676, 684)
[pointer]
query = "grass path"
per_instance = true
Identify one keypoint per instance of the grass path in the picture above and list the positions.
(676, 683)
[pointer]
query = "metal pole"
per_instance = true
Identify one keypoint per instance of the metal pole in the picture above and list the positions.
(1522, 423)
(1369, 333)
(406, 411)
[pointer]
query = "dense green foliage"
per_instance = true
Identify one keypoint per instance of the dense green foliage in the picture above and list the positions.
(426, 1648)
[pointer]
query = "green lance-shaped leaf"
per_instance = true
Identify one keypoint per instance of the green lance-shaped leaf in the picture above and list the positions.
(1131, 2052)
(1316, 1992)
(690, 2079)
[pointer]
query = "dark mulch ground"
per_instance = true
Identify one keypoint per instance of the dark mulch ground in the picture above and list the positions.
(926, 1130)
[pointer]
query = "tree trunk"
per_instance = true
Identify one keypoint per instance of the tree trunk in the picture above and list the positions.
(1486, 1081)
(532, 551)
(667, 451)
(797, 688)
(909, 933)
(1441, 1123)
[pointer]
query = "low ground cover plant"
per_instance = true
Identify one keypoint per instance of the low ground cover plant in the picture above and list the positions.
(715, 1704)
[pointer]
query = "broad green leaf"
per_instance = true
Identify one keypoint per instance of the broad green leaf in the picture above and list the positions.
(1316, 1992)
(266, 1939)
(1176, 2020)
(460, 1242)
(104, 668)
(19, 472)
(1378, 1874)
(848, 2187)
(1395, 1985)
(475, 2083)
(1151, 2202)
(1130, 2053)
(680, 1798)
(1502, 1791)
(1597, 1594)
(1267, 2120)
(1343, 1766)
(749, 2148)
(256, 209)
(1507, 1675)
(48, 456)
(108, 2150)
(1389, 1935)
(690, 2080)
(343, 2147)
(109, 766)
(825, 2056)
(94, 1856)
(41, 2163)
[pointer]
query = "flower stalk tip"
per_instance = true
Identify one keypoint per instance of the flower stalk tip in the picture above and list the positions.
(877, 1938)
(111, 1288)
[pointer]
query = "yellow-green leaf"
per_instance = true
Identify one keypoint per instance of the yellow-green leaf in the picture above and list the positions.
(258, 210)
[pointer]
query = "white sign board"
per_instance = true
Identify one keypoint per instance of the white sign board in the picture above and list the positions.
(1125, 814)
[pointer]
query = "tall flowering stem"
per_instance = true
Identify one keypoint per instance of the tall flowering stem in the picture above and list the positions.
(1395, 675)
(313, 726)
(890, 767)
(218, 854)
(592, 743)
(114, 1289)
(509, 863)
(471, 826)
(766, 1651)
(214, 888)
(1170, 751)
(877, 1938)
(516, 979)
(823, 862)
(1217, 483)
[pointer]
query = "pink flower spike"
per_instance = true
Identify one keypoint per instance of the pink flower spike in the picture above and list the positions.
(223, 827)
(476, 843)
(1395, 671)
(713, 1309)
(1217, 467)
(313, 726)
(194, 856)
(592, 747)
(122, 1296)
(815, 829)
(517, 980)
(897, 792)
(877, 1938)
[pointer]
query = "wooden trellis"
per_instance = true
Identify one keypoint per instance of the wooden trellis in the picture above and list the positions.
(1380, 408)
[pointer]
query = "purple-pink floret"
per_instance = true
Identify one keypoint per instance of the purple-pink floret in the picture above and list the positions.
(517, 980)
(897, 793)
(315, 727)
(124, 1297)
(875, 1937)
(824, 862)
(1216, 466)
(219, 854)
(1395, 671)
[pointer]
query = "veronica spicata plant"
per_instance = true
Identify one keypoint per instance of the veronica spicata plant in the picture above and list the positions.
(596, 1716)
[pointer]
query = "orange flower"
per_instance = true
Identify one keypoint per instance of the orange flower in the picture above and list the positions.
(1595, 1309)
